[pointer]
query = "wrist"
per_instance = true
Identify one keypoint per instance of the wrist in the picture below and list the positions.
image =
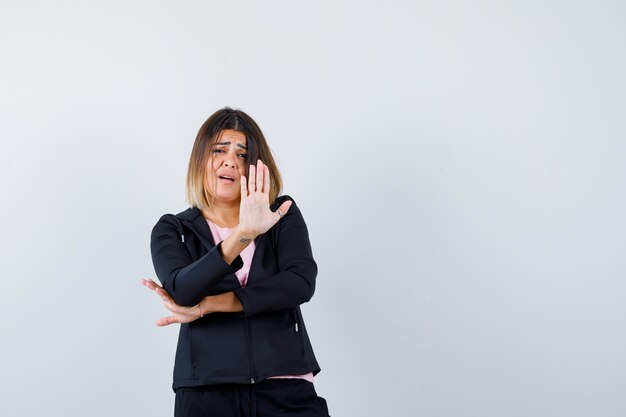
(244, 237)
(202, 308)
(220, 303)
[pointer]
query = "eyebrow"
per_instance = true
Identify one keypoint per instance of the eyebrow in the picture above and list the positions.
(228, 143)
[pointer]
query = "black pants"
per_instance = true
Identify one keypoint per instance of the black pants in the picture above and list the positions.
(268, 398)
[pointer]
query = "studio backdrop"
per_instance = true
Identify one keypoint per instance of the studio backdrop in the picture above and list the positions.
(460, 166)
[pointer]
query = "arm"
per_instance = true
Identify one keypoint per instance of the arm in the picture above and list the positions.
(295, 284)
(226, 302)
(187, 282)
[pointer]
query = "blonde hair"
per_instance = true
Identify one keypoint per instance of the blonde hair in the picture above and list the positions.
(197, 192)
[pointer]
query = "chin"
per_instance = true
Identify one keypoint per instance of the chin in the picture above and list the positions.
(228, 198)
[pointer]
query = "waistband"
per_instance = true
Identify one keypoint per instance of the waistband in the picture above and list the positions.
(266, 383)
(245, 394)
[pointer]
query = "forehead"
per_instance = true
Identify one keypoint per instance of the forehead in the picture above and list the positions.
(229, 135)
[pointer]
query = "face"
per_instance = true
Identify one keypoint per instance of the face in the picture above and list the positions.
(228, 159)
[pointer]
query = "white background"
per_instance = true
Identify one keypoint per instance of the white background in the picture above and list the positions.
(460, 166)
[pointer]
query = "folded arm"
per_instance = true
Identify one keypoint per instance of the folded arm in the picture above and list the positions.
(188, 282)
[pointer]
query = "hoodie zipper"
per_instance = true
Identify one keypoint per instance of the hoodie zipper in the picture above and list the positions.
(249, 345)
(250, 351)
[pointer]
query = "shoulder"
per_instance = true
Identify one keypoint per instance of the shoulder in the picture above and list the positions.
(188, 214)
(166, 225)
(171, 223)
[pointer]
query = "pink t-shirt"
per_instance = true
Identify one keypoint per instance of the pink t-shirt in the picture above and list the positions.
(221, 233)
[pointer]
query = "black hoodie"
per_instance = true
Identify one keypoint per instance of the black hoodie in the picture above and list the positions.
(269, 337)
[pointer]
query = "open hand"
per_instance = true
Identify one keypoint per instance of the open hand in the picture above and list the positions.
(255, 216)
(181, 314)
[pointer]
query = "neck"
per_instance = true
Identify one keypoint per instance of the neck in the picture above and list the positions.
(223, 214)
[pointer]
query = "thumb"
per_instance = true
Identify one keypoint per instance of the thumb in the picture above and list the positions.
(164, 321)
(284, 208)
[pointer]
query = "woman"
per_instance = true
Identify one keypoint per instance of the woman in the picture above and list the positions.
(234, 271)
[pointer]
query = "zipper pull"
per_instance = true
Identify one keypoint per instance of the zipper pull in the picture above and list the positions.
(182, 238)
(294, 316)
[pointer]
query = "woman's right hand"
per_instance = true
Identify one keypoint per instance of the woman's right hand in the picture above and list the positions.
(255, 216)
(181, 314)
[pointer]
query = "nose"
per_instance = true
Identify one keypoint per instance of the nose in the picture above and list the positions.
(228, 161)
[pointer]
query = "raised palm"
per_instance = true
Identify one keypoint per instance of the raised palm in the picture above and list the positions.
(255, 216)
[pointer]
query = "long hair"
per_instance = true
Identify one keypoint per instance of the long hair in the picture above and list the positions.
(197, 192)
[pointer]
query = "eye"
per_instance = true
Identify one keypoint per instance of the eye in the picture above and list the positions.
(218, 150)
(243, 155)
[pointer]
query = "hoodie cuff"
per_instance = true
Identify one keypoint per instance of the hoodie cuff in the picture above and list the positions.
(245, 302)
(237, 263)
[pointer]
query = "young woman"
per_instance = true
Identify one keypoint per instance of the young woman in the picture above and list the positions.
(235, 268)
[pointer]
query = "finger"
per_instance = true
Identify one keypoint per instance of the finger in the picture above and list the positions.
(284, 208)
(162, 292)
(170, 304)
(244, 188)
(259, 175)
(266, 180)
(167, 303)
(252, 179)
(150, 284)
(165, 321)
(170, 307)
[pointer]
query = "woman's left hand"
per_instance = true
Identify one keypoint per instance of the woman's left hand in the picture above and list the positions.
(181, 314)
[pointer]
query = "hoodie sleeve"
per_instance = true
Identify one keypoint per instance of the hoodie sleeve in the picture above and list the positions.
(295, 284)
(185, 281)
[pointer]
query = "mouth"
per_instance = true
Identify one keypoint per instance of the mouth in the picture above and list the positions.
(226, 178)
